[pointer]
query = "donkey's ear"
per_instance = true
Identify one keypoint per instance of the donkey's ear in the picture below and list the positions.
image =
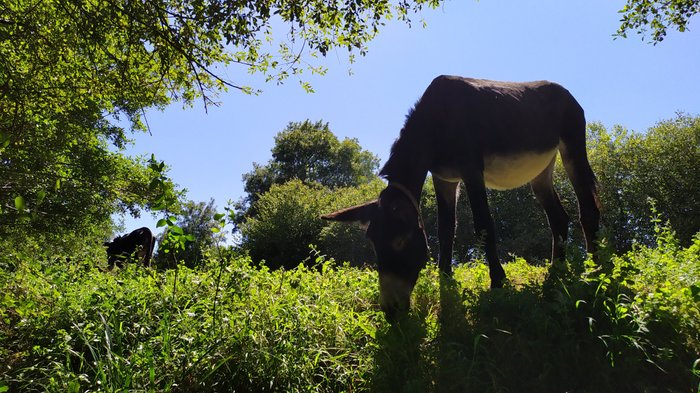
(361, 213)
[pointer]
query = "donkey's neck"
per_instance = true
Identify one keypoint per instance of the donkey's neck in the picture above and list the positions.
(407, 168)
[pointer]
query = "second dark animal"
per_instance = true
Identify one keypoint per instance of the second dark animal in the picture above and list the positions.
(137, 244)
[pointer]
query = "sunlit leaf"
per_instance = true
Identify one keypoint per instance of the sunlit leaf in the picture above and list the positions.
(20, 203)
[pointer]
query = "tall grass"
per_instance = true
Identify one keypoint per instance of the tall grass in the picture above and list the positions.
(630, 327)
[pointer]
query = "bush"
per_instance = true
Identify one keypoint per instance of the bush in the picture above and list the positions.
(631, 326)
(289, 220)
(632, 168)
(225, 327)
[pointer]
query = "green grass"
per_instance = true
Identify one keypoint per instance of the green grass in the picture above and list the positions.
(632, 327)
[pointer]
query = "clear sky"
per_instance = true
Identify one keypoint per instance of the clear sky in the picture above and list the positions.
(617, 81)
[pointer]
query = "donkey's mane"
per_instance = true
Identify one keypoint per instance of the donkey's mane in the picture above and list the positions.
(401, 144)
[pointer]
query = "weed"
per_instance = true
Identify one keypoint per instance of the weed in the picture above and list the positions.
(232, 326)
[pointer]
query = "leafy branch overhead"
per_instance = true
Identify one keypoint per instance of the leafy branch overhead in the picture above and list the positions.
(657, 15)
(177, 45)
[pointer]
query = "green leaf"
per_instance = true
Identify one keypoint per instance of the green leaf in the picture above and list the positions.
(695, 292)
(40, 196)
(154, 184)
(20, 204)
(161, 223)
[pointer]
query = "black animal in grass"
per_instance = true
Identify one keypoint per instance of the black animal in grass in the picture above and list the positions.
(137, 244)
(499, 135)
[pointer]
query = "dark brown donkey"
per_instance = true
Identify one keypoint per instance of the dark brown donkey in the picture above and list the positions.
(499, 135)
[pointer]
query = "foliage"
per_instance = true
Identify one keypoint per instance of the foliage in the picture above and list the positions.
(230, 326)
(657, 15)
(198, 221)
(132, 55)
(75, 77)
(59, 87)
(67, 193)
(75, 329)
(309, 152)
(289, 220)
(659, 165)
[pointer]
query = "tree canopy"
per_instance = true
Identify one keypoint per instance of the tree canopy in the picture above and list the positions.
(637, 171)
(311, 153)
(657, 15)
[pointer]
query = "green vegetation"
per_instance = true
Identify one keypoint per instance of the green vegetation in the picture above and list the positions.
(289, 219)
(632, 168)
(198, 225)
(311, 153)
(659, 164)
(76, 79)
(630, 327)
(657, 16)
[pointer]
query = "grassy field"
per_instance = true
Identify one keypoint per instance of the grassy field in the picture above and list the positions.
(634, 327)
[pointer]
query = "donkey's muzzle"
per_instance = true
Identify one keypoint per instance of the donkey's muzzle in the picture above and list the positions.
(394, 295)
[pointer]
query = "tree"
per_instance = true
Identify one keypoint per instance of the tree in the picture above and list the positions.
(77, 76)
(659, 15)
(196, 219)
(635, 169)
(310, 153)
(63, 195)
(129, 55)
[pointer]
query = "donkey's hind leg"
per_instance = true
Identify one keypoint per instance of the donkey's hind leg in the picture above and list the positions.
(543, 188)
(582, 178)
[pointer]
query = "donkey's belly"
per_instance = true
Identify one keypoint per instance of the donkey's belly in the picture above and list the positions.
(506, 172)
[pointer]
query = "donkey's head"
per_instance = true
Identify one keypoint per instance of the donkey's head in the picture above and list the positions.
(394, 227)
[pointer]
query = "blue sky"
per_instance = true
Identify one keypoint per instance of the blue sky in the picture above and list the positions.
(617, 81)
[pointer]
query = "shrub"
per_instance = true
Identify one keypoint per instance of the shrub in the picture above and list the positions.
(289, 221)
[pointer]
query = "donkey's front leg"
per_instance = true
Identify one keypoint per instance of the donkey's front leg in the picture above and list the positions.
(483, 224)
(446, 195)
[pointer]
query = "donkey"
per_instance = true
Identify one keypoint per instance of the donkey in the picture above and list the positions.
(499, 135)
(138, 243)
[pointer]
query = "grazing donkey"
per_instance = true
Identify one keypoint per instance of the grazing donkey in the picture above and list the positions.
(140, 242)
(499, 135)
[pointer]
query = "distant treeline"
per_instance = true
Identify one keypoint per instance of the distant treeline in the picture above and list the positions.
(311, 173)
(637, 172)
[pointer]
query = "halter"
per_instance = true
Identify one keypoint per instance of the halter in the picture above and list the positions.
(411, 198)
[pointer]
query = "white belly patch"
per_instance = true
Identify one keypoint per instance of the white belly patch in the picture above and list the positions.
(506, 172)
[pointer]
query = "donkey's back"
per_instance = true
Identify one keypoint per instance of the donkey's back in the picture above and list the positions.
(513, 130)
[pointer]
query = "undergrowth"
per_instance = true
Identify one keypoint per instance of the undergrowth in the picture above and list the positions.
(628, 325)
